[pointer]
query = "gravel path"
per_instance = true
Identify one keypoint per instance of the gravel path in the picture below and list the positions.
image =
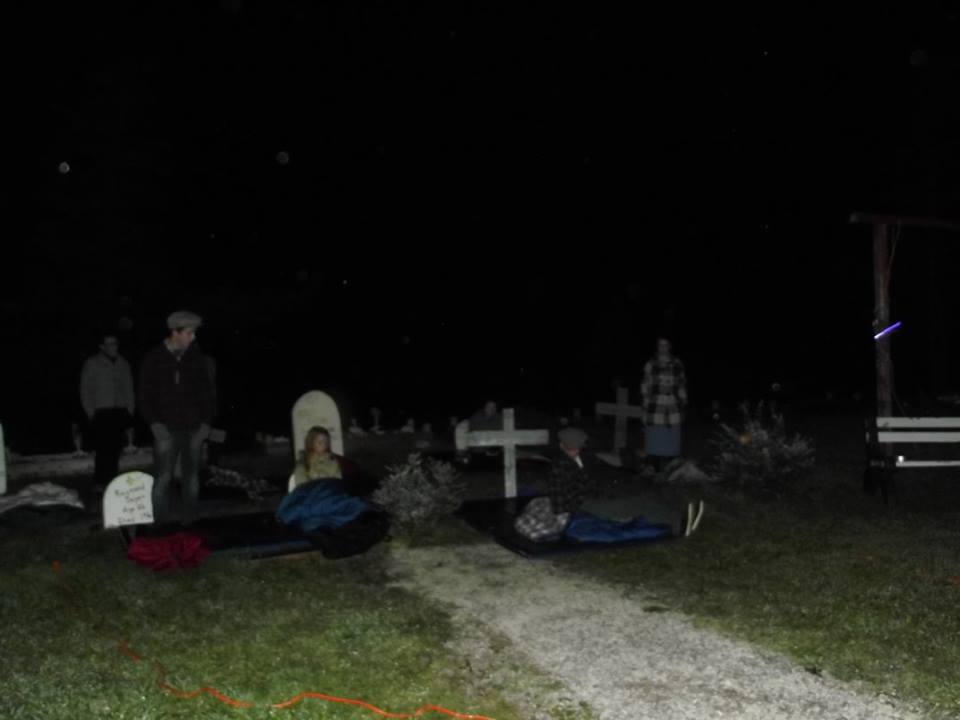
(621, 661)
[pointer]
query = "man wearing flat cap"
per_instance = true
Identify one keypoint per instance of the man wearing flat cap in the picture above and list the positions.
(568, 485)
(176, 399)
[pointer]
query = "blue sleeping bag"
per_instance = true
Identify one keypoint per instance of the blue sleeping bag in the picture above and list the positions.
(320, 505)
(585, 527)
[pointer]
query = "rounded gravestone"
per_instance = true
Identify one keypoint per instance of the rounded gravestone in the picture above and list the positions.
(316, 408)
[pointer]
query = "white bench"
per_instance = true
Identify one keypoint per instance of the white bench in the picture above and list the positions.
(903, 443)
(903, 432)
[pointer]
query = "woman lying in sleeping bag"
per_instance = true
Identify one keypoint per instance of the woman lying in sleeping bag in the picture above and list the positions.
(324, 504)
(558, 514)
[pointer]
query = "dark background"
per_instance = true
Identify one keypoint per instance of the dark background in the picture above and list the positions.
(500, 199)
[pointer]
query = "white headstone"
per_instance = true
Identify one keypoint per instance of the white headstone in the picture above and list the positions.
(128, 500)
(621, 410)
(3, 464)
(316, 408)
(508, 438)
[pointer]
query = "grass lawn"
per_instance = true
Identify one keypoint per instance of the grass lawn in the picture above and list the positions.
(258, 631)
(825, 575)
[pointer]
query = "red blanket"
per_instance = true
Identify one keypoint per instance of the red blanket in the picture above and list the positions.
(181, 550)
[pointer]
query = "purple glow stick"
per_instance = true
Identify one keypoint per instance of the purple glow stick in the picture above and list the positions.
(887, 331)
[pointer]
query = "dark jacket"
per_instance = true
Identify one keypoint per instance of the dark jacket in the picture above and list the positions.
(176, 390)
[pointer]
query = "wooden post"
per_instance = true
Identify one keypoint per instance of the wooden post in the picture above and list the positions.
(933, 316)
(881, 293)
(881, 290)
(3, 464)
(881, 305)
(881, 296)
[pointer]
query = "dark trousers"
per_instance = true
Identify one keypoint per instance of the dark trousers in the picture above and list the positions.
(107, 428)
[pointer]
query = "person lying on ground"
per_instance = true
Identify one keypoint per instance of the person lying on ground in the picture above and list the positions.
(570, 486)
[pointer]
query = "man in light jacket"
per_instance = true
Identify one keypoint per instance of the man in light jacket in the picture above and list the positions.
(106, 393)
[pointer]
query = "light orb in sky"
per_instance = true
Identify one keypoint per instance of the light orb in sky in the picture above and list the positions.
(63, 167)
(283, 157)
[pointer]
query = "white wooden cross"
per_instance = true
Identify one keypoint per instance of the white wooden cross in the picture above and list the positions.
(621, 410)
(508, 439)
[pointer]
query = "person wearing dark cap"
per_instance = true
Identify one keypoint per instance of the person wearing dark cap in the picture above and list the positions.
(176, 401)
(568, 485)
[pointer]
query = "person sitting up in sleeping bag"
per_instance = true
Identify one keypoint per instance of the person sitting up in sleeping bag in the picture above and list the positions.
(568, 485)
(326, 506)
(317, 461)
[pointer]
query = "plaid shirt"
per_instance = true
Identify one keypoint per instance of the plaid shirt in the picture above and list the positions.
(664, 392)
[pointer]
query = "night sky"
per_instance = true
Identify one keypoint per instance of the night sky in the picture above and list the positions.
(419, 205)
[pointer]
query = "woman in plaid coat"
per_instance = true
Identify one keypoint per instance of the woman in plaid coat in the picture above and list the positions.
(664, 393)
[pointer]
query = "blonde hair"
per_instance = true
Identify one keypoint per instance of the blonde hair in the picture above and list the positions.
(308, 441)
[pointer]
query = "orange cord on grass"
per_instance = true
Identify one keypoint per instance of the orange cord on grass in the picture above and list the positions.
(124, 647)
(162, 683)
(213, 692)
(373, 708)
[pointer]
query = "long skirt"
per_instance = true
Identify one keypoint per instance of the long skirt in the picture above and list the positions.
(662, 440)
